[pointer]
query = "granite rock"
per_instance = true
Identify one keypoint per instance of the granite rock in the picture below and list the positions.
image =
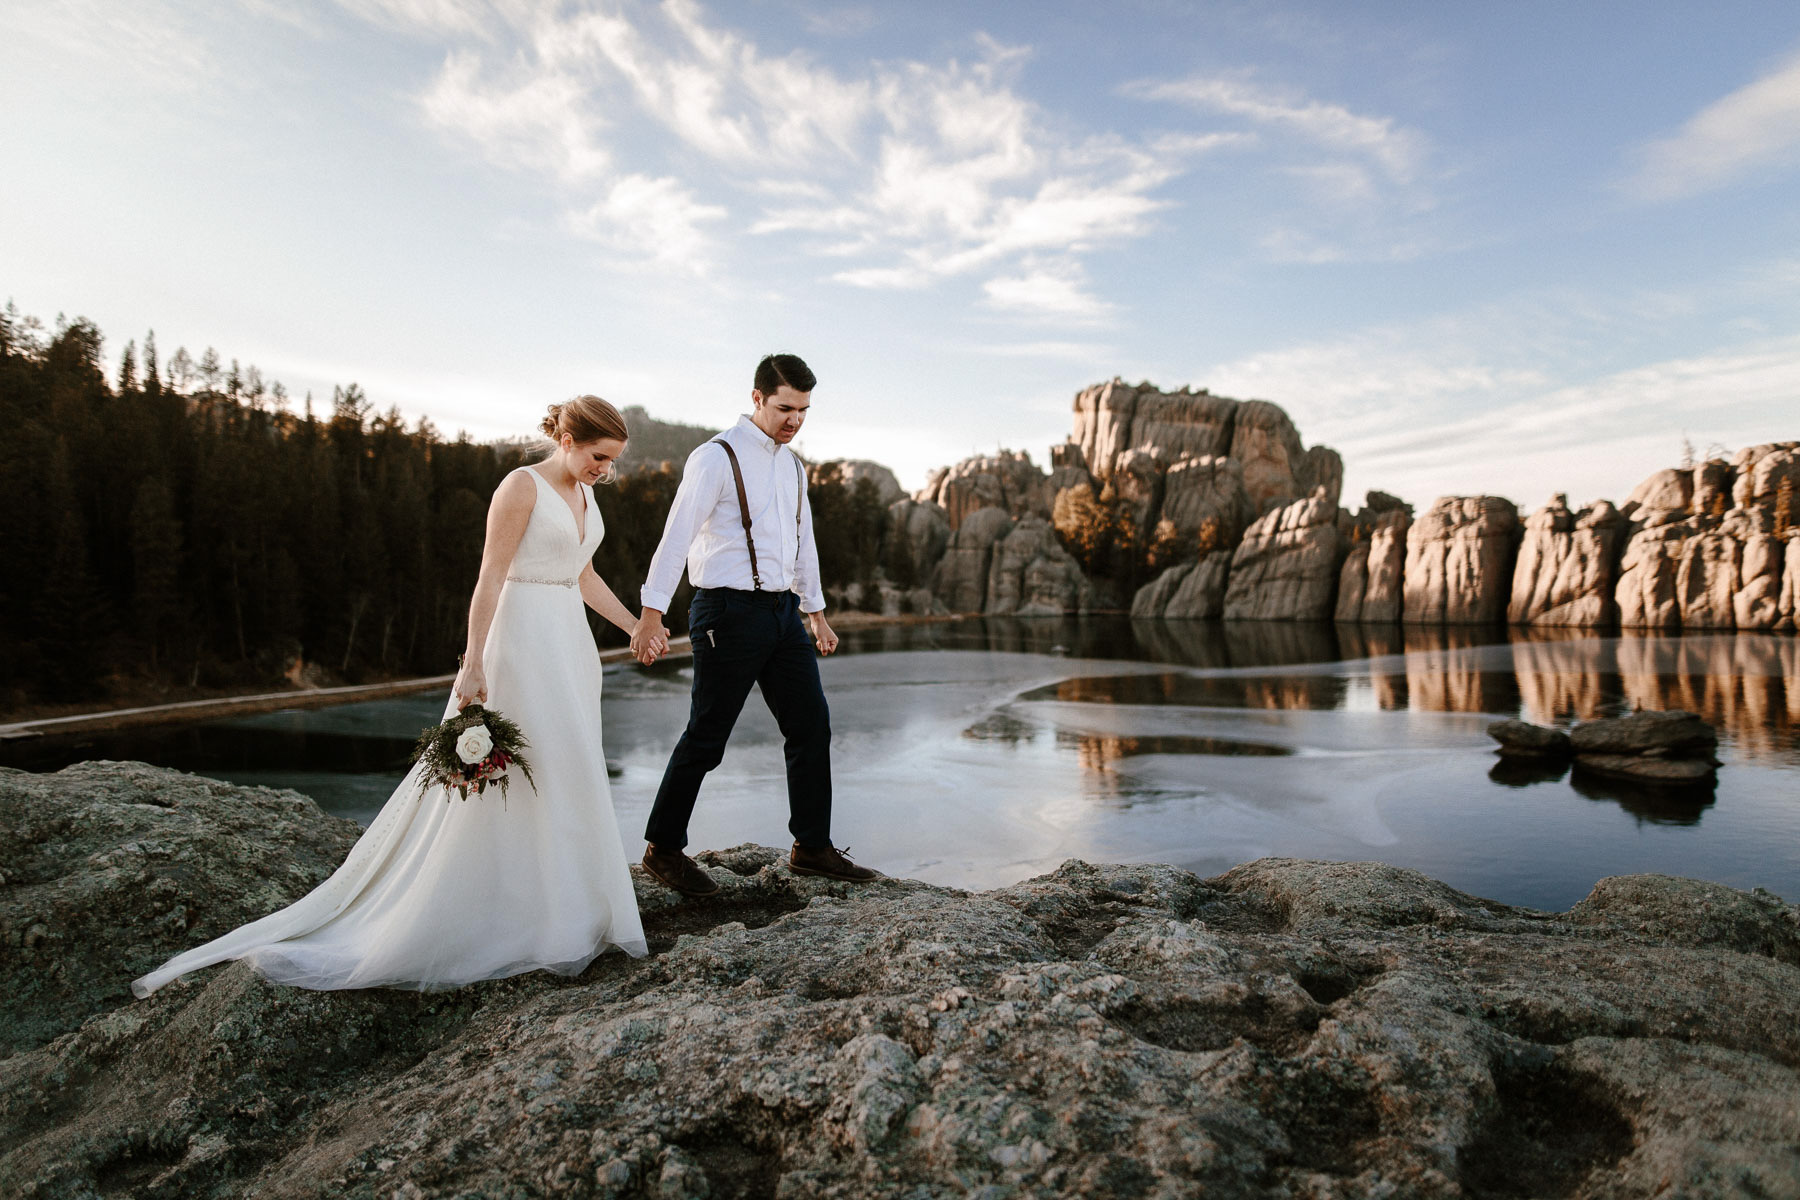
(1459, 559)
(1286, 568)
(961, 579)
(1567, 569)
(1290, 1028)
(1521, 739)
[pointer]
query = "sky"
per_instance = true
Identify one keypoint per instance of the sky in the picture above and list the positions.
(1513, 248)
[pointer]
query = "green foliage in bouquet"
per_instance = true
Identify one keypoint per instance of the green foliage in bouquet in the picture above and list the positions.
(475, 748)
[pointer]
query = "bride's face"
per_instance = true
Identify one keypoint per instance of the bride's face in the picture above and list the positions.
(591, 462)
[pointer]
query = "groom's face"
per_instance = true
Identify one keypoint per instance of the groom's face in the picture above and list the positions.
(780, 415)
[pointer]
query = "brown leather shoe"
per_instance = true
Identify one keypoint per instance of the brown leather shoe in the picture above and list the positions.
(830, 862)
(674, 869)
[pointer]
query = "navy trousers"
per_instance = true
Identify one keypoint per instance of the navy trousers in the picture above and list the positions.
(743, 638)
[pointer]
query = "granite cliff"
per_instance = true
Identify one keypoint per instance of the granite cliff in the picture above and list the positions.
(1233, 516)
(1287, 1029)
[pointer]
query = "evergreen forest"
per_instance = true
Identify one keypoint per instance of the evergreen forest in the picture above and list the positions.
(182, 527)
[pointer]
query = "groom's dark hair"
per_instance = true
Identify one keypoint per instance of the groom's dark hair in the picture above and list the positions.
(777, 369)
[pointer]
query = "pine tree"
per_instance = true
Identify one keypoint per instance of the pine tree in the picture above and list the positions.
(155, 565)
(128, 372)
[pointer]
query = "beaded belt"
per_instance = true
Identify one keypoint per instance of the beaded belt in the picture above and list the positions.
(535, 579)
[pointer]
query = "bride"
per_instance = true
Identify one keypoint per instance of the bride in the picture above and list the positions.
(441, 891)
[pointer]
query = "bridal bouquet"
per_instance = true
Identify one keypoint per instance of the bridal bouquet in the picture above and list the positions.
(471, 750)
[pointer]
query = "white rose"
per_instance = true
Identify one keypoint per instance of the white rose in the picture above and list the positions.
(474, 745)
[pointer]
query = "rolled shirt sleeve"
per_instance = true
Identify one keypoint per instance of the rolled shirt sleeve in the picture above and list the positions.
(806, 565)
(695, 498)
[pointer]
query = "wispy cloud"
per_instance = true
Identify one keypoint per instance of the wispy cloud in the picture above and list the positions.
(653, 220)
(1399, 152)
(896, 176)
(1504, 399)
(1755, 127)
(1359, 181)
(1046, 291)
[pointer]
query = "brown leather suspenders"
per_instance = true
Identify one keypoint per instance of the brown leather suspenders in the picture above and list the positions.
(737, 477)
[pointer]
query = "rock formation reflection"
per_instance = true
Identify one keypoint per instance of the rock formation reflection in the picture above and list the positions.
(1656, 804)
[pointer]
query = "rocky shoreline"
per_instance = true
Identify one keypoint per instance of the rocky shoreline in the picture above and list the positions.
(1289, 1029)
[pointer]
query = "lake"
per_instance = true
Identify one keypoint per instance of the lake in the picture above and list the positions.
(978, 752)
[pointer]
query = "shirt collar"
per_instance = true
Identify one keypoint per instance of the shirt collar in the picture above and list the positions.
(747, 426)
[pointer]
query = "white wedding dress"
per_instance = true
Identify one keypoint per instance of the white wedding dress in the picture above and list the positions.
(440, 891)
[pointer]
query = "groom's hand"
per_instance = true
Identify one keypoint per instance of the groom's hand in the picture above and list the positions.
(822, 634)
(649, 639)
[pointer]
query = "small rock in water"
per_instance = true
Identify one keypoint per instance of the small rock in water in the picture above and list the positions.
(1524, 740)
(1672, 734)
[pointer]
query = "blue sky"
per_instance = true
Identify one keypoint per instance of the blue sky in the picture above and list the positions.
(1512, 247)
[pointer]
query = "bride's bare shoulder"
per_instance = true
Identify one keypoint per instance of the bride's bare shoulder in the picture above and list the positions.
(516, 492)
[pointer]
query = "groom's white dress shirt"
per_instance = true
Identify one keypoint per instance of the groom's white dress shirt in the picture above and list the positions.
(705, 532)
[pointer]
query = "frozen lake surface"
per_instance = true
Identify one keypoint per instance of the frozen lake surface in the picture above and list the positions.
(982, 752)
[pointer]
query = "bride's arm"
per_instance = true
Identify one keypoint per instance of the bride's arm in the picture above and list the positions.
(508, 514)
(600, 598)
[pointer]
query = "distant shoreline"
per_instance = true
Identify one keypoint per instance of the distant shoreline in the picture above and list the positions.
(247, 703)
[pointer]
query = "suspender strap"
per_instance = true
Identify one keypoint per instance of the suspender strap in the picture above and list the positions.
(737, 477)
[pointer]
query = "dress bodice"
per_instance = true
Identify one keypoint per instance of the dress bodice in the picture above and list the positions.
(552, 549)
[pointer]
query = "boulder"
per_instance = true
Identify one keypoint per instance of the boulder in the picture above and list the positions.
(961, 579)
(1665, 496)
(110, 868)
(1353, 581)
(1369, 586)
(1186, 591)
(1031, 575)
(1521, 739)
(1672, 771)
(1265, 441)
(1286, 568)
(924, 530)
(1647, 591)
(1729, 576)
(1209, 488)
(1007, 480)
(1459, 559)
(1112, 418)
(1714, 481)
(1068, 468)
(1764, 474)
(849, 471)
(1788, 601)
(1672, 734)
(1567, 567)
(1288, 1028)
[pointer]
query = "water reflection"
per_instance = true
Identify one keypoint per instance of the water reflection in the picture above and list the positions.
(1656, 804)
(1200, 691)
(1097, 752)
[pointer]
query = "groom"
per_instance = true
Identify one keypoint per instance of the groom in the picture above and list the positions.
(742, 526)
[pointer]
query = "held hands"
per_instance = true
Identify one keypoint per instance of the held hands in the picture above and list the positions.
(822, 634)
(649, 638)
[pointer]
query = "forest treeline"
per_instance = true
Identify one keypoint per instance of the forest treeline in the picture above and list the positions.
(183, 525)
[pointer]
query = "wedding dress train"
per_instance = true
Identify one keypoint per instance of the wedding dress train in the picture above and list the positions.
(440, 891)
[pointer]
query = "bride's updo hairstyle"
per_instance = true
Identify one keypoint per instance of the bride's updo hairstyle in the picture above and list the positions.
(585, 419)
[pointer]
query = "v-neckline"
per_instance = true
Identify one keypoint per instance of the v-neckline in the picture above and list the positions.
(580, 521)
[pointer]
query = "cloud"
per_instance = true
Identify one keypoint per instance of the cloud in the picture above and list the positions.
(652, 220)
(1046, 291)
(536, 120)
(1361, 182)
(899, 174)
(1755, 127)
(1505, 399)
(1399, 152)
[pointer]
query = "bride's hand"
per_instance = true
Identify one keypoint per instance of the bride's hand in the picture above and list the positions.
(470, 687)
